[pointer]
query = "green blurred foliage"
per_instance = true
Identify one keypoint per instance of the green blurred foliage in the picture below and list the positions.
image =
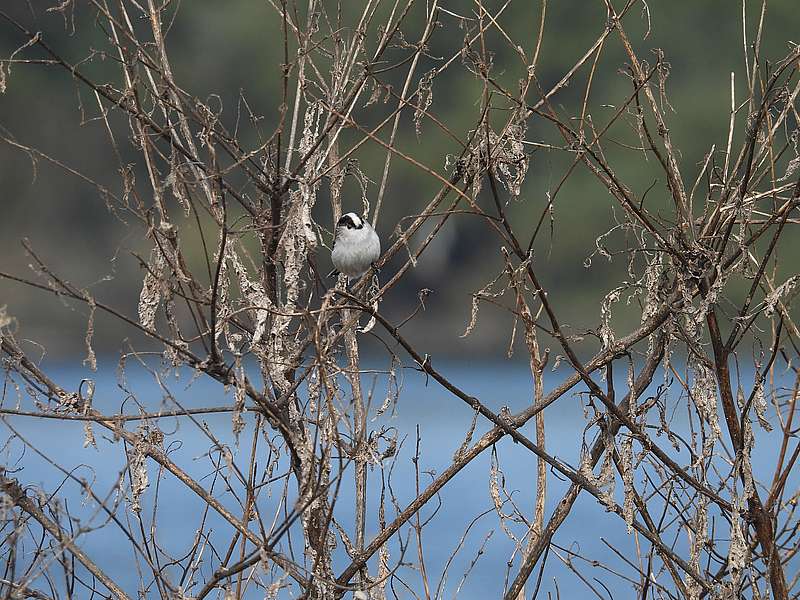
(229, 53)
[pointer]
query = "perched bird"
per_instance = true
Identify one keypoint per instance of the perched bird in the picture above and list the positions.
(356, 246)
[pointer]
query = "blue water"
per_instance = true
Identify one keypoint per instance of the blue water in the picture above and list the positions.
(423, 406)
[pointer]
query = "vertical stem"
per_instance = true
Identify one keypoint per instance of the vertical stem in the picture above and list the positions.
(359, 428)
(760, 519)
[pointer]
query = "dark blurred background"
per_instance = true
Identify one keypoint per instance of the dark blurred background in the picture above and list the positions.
(223, 50)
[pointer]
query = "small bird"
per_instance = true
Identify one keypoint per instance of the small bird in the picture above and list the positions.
(356, 246)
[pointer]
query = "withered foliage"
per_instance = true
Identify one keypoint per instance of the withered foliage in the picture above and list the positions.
(677, 397)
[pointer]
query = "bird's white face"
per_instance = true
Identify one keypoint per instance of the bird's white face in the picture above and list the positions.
(351, 219)
(350, 226)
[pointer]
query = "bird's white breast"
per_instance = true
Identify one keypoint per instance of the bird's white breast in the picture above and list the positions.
(355, 250)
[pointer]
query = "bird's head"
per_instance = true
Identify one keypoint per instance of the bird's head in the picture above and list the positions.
(351, 227)
(350, 221)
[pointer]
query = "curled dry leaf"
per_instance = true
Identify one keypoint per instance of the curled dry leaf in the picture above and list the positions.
(151, 294)
(137, 468)
(780, 293)
(91, 358)
(424, 97)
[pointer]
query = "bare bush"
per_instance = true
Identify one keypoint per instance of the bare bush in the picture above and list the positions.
(688, 373)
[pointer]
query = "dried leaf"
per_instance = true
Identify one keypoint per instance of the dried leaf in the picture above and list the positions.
(424, 98)
(150, 297)
(760, 404)
(138, 468)
(88, 435)
(91, 358)
(782, 291)
(467, 438)
(606, 333)
(239, 399)
(496, 478)
(791, 168)
(704, 396)
(626, 464)
(5, 320)
(473, 316)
